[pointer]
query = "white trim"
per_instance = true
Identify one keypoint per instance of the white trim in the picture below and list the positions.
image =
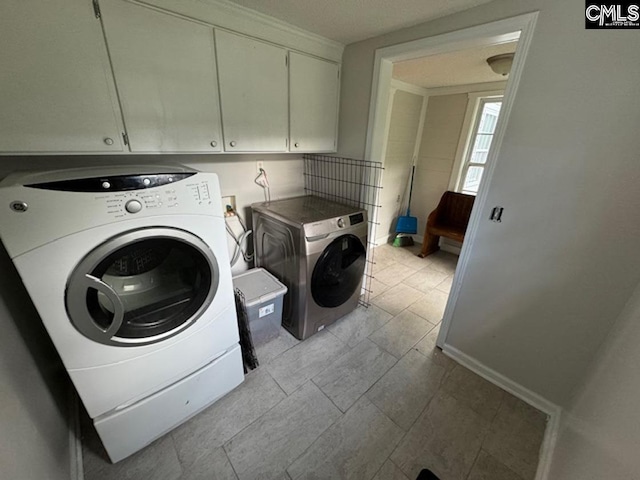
(469, 88)
(526, 24)
(524, 394)
(501, 381)
(548, 445)
(447, 247)
(501, 31)
(517, 28)
(76, 465)
(408, 87)
(229, 15)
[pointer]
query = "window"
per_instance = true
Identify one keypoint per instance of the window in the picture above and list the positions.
(475, 159)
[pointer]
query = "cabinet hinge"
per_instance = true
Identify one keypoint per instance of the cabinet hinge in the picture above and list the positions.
(96, 8)
(125, 138)
(286, 60)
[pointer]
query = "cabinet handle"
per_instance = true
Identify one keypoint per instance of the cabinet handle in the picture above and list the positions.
(214, 144)
(233, 144)
(108, 141)
(296, 144)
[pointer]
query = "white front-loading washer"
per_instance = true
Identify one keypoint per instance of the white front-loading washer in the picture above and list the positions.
(128, 268)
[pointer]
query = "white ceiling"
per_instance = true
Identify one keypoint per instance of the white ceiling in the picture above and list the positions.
(348, 21)
(448, 69)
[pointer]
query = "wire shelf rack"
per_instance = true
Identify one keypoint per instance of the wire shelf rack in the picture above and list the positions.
(352, 182)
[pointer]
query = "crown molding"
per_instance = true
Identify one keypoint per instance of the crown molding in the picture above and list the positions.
(230, 16)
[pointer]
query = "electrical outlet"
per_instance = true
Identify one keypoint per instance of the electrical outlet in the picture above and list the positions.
(228, 200)
(259, 165)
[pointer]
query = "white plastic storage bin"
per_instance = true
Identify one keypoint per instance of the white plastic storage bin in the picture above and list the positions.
(263, 295)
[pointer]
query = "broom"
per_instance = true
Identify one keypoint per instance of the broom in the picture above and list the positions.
(406, 225)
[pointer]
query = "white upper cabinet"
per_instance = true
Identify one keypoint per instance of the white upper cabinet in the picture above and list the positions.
(313, 100)
(56, 88)
(253, 94)
(166, 76)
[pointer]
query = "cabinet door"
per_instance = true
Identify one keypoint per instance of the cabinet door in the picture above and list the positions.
(165, 72)
(57, 92)
(253, 94)
(313, 97)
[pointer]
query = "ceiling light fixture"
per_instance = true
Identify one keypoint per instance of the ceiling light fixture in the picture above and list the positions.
(501, 64)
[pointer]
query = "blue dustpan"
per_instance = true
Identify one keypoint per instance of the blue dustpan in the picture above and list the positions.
(407, 223)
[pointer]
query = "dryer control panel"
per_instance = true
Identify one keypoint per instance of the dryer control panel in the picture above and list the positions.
(39, 211)
(125, 195)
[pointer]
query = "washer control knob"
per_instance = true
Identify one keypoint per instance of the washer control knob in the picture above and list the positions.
(341, 222)
(233, 144)
(133, 206)
(108, 141)
(106, 185)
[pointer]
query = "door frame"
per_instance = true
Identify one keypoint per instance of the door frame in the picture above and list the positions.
(518, 28)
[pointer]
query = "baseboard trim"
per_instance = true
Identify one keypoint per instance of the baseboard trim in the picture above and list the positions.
(450, 248)
(524, 394)
(75, 439)
(548, 445)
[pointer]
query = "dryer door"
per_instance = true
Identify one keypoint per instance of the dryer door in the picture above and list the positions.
(338, 272)
(142, 287)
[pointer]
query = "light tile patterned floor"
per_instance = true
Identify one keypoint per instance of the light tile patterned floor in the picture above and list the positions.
(368, 398)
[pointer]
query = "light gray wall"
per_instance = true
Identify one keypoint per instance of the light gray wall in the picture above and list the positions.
(600, 437)
(543, 288)
(34, 437)
(440, 137)
(401, 142)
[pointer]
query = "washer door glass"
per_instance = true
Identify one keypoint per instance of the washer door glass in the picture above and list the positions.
(338, 272)
(142, 287)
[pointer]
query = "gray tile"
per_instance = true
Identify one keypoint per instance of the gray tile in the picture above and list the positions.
(353, 374)
(394, 274)
(446, 285)
(397, 298)
(268, 446)
(275, 347)
(524, 411)
(477, 393)
(359, 324)
(355, 447)
(404, 391)
(488, 468)
(213, 465)
(446, 439)
(304, 361)
(515, 440)
(220, 422)
(431, 306)
(409, 256)
(425, 279)
(390, 471)
(427, 347)
(158, 461)
(376, 287)
(444, 261)
(401, 333)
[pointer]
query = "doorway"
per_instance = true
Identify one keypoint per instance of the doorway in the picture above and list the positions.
(469, 168)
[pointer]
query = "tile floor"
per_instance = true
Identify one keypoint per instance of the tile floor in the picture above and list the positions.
(368, 398)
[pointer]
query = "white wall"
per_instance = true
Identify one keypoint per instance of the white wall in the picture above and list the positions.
(600, 436)
(543, 287)
(34, 437)
(405, 116)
